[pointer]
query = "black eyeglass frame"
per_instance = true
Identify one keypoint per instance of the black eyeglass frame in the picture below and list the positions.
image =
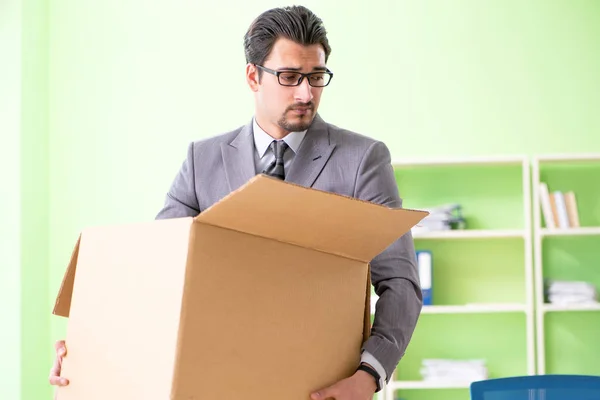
(302, 75)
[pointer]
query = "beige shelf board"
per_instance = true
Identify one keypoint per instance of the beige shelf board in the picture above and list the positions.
(583, 231)
(475, 308)
(395, 385)
(465, 161)
(570, 307)
(470, 234)
(584, 157)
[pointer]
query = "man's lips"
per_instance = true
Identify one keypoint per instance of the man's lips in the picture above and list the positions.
(301, 109)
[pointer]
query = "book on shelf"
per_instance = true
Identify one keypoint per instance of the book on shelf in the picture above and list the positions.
(558, 208)
(425, 266)
(561, 209)
(546, 204)
(571, 204)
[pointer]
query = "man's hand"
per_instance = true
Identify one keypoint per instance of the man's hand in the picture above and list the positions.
(360, 386)
(55, 378)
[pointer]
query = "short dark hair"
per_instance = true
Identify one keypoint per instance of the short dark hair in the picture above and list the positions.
(296, 23)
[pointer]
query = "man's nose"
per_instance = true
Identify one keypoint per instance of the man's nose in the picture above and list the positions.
(304, 92)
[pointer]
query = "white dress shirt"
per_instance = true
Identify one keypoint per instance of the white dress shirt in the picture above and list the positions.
(263, 157)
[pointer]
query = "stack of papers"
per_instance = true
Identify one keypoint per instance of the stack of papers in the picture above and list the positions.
(441, 218)
(443, 370)
(566, 292)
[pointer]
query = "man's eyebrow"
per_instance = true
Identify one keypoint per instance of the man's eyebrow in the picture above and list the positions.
(319, 68)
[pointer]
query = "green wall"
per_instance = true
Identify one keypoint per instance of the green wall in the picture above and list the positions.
(10, 198)
(24, 200)
(116, 90)
(36, 348)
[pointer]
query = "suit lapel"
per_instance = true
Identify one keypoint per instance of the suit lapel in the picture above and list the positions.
(239, 159)
(313, 154)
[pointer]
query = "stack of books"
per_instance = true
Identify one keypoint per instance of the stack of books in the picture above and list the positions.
(558, 208)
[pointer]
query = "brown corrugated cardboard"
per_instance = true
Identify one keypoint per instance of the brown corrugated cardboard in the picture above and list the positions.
(230, 304)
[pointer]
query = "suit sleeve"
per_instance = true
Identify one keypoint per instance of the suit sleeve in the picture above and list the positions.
(181, 200)
(394, 272)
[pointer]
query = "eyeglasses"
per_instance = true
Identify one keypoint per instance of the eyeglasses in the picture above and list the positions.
(293, 78)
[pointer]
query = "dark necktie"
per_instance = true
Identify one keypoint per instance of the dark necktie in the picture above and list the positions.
(275, 169)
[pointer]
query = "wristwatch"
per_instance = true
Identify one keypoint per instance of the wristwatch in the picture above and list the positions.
(371, 371)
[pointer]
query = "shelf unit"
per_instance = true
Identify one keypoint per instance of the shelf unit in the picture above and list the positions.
(566, 332)
(482, 276)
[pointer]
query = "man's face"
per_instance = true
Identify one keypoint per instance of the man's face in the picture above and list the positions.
(282, 109)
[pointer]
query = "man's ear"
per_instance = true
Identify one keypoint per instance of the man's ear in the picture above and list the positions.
(252, 77)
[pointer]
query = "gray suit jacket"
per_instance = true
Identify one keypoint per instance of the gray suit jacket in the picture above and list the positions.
(330, 159)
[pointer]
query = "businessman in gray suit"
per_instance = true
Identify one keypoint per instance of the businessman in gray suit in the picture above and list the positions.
(286, 52)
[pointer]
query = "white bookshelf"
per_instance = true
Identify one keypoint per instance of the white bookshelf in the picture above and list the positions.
(522, 234)
(541, 234)
(533, 235)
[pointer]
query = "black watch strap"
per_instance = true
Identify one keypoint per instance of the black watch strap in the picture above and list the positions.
(371, 371)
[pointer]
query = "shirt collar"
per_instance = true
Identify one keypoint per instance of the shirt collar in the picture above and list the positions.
(262, 140)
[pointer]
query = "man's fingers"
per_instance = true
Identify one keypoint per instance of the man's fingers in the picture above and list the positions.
(55, 378)
(60, 347)
(58, 381)
(323, 394)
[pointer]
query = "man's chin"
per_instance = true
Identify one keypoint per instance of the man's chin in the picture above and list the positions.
(297, 123)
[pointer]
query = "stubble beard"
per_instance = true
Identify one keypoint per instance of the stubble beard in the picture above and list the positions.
(304, 123)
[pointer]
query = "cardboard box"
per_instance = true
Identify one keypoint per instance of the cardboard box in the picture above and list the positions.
(263, 296)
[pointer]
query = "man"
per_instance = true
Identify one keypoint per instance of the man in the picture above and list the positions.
(286, 52)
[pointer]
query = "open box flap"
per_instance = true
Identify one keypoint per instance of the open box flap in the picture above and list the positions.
(340, 225)
(63, 299)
